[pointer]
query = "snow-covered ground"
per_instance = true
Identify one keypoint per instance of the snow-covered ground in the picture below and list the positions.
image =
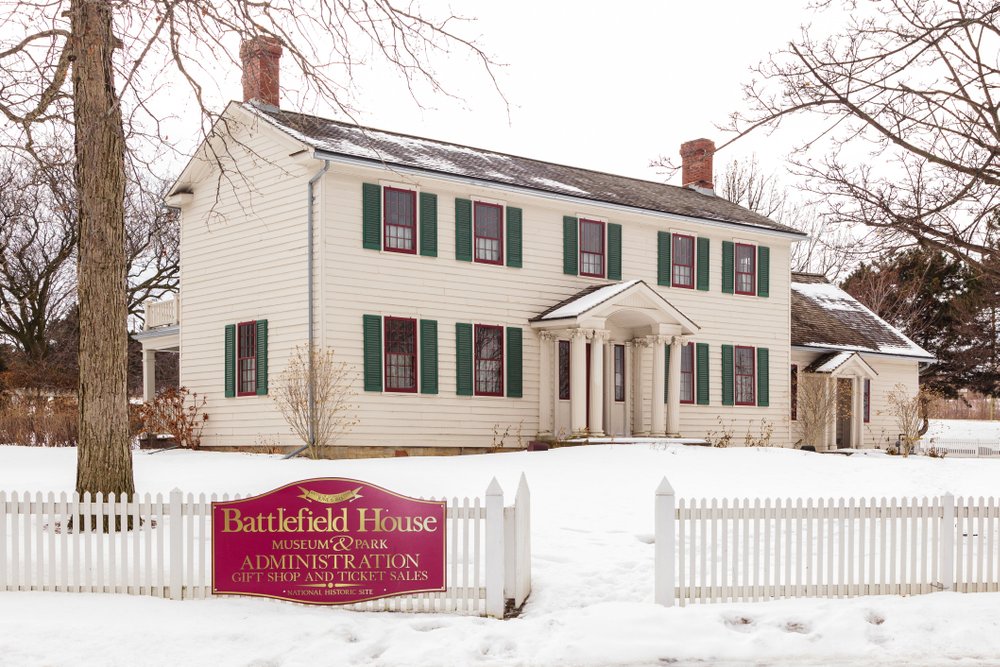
(964, 429)
(592, 568)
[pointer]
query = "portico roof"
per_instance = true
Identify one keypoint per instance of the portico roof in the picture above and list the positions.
(604, 300)
(838, 363)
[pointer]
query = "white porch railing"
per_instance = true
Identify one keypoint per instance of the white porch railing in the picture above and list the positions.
(168, 553)
(762, 549)
(162, 313)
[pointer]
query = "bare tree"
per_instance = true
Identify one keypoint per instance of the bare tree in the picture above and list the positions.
(816, 407)
(906, 409)
(909, 142)
(89, 62)
(332, 412)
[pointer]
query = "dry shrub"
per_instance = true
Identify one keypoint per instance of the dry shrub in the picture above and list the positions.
(177, 412)
(36, 420)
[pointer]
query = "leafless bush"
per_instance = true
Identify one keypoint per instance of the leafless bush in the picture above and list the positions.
(905, 408)
(762, 438)
(817, 406)
(38, 420)
(721, 438)
(332, 412)
(178, 412)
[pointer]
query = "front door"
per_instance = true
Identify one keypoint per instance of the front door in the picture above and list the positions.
(845, 411)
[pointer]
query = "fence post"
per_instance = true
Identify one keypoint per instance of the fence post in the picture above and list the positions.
(665, 547)
(175, 513)
(517, 544)
(946, 534)
(494, 550)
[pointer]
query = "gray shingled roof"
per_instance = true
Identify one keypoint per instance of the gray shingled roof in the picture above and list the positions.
(392, 149)
(826, 317)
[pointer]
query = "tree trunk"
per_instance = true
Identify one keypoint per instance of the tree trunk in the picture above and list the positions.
(104, 459)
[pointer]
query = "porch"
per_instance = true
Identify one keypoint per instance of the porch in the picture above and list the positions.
(161, 332)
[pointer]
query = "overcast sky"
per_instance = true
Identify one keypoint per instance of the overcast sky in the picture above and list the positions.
(599, 85)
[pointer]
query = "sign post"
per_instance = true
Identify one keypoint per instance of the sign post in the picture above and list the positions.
(328, 541)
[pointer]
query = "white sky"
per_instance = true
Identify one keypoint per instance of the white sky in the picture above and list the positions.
(589, 85)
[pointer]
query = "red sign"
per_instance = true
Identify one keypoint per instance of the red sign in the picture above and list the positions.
(328, 541)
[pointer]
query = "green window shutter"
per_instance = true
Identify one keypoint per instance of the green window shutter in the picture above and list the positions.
(614, 251)
(728, 267)
(428, 224)
(372, 325)
(701, 361)
(463, 359)
(371, 216)
(728, 387)
(763, 270)
(571, 250)
(703, 259)
(428, 356)
(463, 230)
(763, 377)
(230, 361)
(663, 258)
(261, 357)
(514, 237)
(515, 351)
(666, 373)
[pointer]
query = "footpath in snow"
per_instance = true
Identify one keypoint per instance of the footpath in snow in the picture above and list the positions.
(592, 571)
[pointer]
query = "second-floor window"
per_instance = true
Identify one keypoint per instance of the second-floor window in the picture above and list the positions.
(744, 375)
(746, 269)
(683, 261)
(488, 226)
(246, 358)
(489, 360)
(687, 373)
(400, 220)
(591, 248)
(400, 354)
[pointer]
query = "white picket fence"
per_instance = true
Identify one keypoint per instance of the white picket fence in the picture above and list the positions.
(169, 552)
(747, 550)
(961, 448)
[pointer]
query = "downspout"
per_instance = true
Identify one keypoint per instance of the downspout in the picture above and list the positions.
(310, 195)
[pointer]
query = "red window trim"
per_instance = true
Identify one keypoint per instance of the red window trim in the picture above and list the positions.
(604, 247)
(385, 220)
(674, 262)
(252, 324)
(868, 400)
(475, 234)
(752, 273)
(475, 360)
(564, 344)
(614, 371)
(752, 375)
(795, 392)
(694, 390)
(385, 355)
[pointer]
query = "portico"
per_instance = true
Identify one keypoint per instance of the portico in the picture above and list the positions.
(603, 363)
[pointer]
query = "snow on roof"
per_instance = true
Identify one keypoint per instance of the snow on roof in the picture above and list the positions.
(580, 303)
(823, 315)
(391, 149)
(828, 363)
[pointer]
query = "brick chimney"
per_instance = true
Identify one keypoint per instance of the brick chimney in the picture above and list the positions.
(260, 56)
(696, 164)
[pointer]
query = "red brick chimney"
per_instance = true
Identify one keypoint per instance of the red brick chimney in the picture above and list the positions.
(696, 163)
(260, 56)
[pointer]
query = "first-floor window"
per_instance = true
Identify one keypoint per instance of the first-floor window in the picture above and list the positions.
(246, 358)
(744, 376)
(868, 400)
(592, 248)
(619, 373)
(400, 218)
(795, 392)
(687, 373)
(400, 354)
(489, 360)
(564, 370)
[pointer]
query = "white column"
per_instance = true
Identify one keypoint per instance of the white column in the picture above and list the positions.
(596, 424)
(674, 395)
(578, 382)
(148, 374)
(638, 347)
(659, 375)
(545, 389)
(831, 425)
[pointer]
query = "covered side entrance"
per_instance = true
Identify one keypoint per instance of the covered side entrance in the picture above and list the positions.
(603, 363)
(848, 377)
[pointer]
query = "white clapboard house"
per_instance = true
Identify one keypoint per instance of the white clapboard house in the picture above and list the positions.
(487, 300)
